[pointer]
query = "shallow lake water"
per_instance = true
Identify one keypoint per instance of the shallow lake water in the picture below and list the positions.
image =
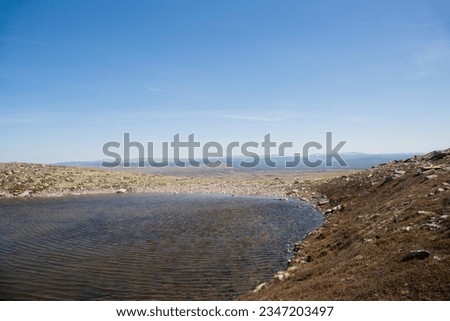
(146, 246)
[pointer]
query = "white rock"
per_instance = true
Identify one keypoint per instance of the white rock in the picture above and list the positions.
(260, 287)
(25, 194)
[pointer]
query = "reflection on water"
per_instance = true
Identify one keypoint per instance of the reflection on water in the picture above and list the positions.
(145, 247)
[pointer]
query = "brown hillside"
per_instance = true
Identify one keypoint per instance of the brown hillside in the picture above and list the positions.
(386, 237)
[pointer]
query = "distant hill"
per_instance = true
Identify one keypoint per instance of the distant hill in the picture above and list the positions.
(353, 160)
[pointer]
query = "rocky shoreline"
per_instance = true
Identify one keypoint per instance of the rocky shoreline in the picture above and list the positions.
(385, 237)
(25, 180)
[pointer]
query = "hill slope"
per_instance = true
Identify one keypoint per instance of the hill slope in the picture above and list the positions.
(386, 237)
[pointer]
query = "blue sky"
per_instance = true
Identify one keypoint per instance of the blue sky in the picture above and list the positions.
(76, 74)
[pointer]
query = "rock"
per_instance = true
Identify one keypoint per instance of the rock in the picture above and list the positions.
(440, 190)
(337, 208)
(444, 217)
(292, 268)
(433, 176)
(425, 212)
(281, 275)
(436, 155)
(121, 191)
(388, 179)
(294, 191)
(400, 173)
(323, 201)
(416, 255)
(430, 168)
(431, 226)
(260, 287)
(25, 194)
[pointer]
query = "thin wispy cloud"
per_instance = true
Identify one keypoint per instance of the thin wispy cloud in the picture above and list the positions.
(432, 60)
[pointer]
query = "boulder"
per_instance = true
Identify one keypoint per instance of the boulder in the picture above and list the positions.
(416, 255)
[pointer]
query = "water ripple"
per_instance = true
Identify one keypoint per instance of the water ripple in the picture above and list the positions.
(145, 247)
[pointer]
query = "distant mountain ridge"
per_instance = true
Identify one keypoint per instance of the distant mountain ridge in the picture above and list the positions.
(353, 160)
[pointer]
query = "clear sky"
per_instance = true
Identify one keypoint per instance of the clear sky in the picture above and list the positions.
(76, 74)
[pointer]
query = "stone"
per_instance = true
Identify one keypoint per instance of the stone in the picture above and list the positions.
(425, 212)
(416, 255)
(436, 155)
(281, 275)
(431, 226)
(292, 268)
(430, 168)
(389, 178)
(433, 176)
(294, 191)
(25, 194)
(260, 287)
(121, 191)
(4, 194)
(323, 201)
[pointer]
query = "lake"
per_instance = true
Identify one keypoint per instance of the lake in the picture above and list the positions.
(146, 246)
